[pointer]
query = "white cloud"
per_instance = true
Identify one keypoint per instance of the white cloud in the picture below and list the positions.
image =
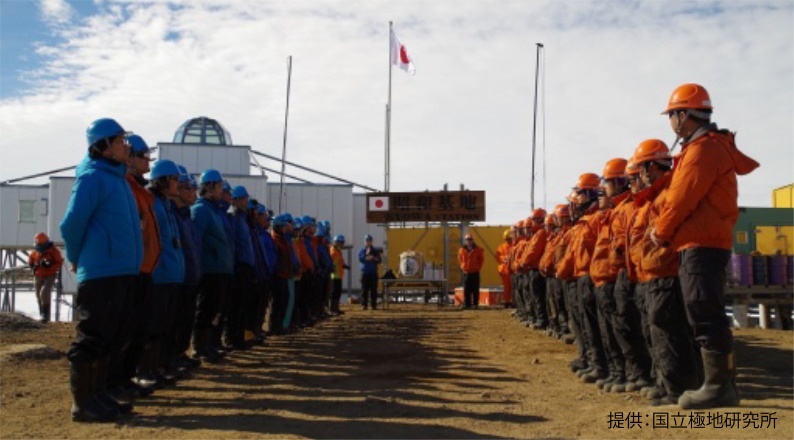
(466, 117)
(56, 11)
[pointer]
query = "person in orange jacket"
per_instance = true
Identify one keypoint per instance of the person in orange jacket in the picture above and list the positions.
(544, 266)
(519, 280)
(672, 345)
(471, 258)
(627, 321)
(697, 220)
(579, 255)
(556, 286)
(46, 261)
(530, 261)
(503, 267)
(604, 275)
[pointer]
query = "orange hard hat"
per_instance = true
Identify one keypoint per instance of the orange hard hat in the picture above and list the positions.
(549, 219)
(562, 211)
(520, 224)
(631, 167)
(539, 213)
(688, 96)
(40, 238)
(615, 168)
(588, 181)
(649, 150)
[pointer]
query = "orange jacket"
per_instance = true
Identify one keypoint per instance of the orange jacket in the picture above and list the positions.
(701, 206)
(307, 265)
(658, 261)
(515, 254)
(546, 265)
(563, 255)
(534, 249)
(502, 254)
(339, 263)
(621, 217)
(602, 269)
(151, 234)
(471, 260)
(639, 230)
(583, 242)
(47, 262)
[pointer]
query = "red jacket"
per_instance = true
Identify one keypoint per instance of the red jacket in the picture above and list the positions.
(47, 262)
(471, 260)
(701, 206)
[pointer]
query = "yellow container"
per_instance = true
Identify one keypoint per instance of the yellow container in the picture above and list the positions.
(783, 197)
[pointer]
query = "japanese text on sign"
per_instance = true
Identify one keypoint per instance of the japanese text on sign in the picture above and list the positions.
(442, 206)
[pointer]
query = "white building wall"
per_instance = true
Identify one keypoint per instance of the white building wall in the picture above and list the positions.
(13, 232)
(228, 159)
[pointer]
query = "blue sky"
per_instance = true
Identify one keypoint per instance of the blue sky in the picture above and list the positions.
(465, 117)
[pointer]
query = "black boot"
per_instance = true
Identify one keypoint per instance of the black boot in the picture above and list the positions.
(45, 314)
(201, 346)
(719, 386)
(101, 372)
(85, 407)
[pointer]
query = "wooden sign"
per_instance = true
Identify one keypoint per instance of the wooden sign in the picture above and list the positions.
(440, 206)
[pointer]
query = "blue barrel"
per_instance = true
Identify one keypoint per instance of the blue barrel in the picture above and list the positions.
(776, 270)
(741, 270)
(759, 276)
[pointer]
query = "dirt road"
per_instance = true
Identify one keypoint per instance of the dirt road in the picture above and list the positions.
(413, 371)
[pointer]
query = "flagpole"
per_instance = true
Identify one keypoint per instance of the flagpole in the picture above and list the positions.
(282, 193)
(534, 125)
(387, 173)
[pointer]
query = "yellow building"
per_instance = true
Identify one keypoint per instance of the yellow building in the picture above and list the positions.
(783, 197)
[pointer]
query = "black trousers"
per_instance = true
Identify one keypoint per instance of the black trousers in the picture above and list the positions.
(537, 290)
(561, 305)
(278, 307)
(702, 274)
(641, 299)
(607, 308)
(628, 330)
(123, 367)
(527, 302)
(369, 289)
(100, 308)
(471, 289)
(211, 291)
(336, 294)
(262, 295)
(185, 318)
(551, 306)
(575, 319)
(514, 286)
(589, 311)
(239, 302)
(673, 349)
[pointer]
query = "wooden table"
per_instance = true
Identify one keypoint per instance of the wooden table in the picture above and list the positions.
(407, 287)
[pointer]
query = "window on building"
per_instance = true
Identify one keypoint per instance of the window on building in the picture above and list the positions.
(741, 237)
(27, 211)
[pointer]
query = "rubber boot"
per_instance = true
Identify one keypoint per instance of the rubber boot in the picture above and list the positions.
(719, 387)
(101, 371)
(45, 314)
(85, 407)
(201, 346)
(146, 371)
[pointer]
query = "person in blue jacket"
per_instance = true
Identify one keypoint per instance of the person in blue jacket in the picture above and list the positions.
(264, 221)
(191, 249)
(369, 257)
(326, 266)
(167, 277)
(216, 263)
(254, 312)
(102, 234)
(244, 277)
(223, 206)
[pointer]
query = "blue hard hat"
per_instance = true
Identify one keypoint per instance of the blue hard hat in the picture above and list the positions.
(184, 176)
(367, 237)
(137, 144)
(307, 220)
(210, 176)
(193, 181)
(226, 186)
(239, 192)
(326, 224)
(288, 217)
(102, 129)
(297, 222)
(320, 232)
(163, 168)
(339, 238)
(280, 220)
(252, 204)
(261, 209)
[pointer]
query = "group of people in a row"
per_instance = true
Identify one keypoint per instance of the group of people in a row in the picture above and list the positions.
(170, 262)
(633, 268)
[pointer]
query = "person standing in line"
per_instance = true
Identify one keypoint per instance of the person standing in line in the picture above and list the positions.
(697, 220)
(102, 234)
(369, 257)
(503, 268)
(244, 275)
(338, 273)
(471, 258)
(283, 272)
(46, 261)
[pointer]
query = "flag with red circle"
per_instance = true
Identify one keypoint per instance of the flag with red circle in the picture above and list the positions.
(399, 55)
(379, 203)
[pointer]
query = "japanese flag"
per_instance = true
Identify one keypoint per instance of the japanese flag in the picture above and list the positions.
(399, 55)
(379, 203)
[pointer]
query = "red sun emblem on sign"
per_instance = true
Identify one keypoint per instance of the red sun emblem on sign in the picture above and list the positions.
(379, 203)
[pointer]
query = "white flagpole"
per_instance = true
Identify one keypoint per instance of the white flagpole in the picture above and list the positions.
(387, 174)
(282, 192)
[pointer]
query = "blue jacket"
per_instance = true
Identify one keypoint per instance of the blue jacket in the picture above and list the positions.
(260, 266)
(191, 245)
(171, 267)
(324, 258)
(369, 267)
(270, 254)
(243, 248)
(216, 252)
(226, 219)
(101, 227)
